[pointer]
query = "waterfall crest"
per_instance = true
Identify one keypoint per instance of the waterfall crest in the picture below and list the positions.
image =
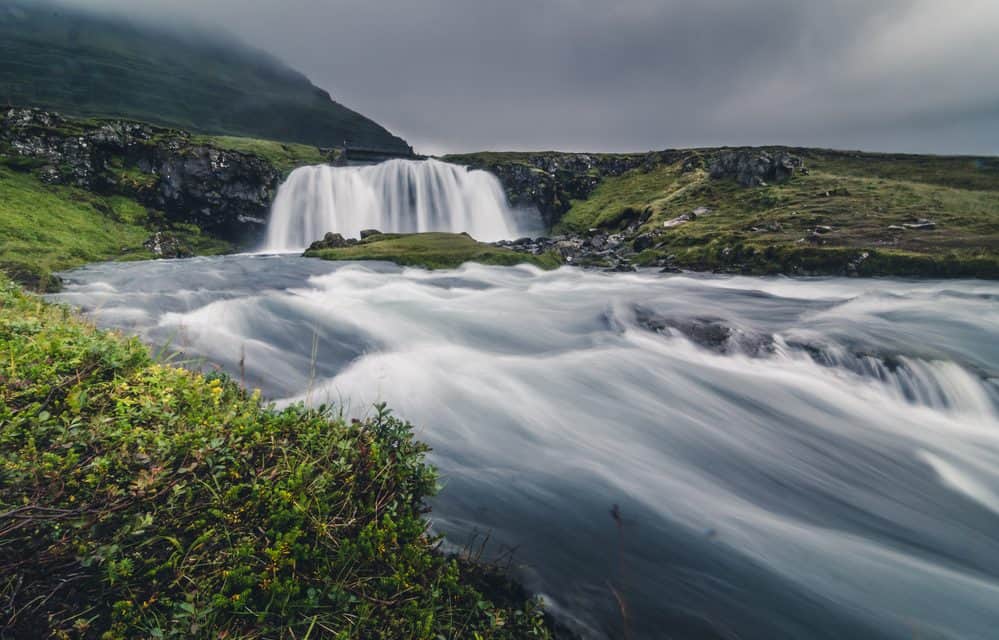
(398, 196)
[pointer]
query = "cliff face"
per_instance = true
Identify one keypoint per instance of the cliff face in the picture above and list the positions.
(224, 192)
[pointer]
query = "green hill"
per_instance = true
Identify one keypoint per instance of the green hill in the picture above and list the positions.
(89, 64)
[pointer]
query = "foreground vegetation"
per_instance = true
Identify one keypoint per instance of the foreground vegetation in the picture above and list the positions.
(433, 251)
(142, 500)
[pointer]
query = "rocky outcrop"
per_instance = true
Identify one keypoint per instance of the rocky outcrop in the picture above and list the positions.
(550, 181)
(755, 167)
(225, 193)
(331, 241)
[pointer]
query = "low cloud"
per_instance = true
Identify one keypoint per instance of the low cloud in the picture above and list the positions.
(449, 75)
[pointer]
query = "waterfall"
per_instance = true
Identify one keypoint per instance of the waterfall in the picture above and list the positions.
(398, 196)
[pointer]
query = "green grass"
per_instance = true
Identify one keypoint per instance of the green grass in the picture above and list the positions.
(433, 251)
(284, 156)
(859, 196)
(142, 500)
(47, 228)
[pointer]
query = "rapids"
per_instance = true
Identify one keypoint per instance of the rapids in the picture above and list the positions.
(661, 456)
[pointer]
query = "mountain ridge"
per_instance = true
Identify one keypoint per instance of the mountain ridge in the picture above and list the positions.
(90, 64)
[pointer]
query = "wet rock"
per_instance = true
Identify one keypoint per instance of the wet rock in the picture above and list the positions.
(330, 241)
(707, 332)
(165, 245)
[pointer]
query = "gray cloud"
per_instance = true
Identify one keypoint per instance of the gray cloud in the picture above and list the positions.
(452, 75)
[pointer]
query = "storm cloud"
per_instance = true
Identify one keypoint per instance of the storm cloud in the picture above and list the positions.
(457, 75)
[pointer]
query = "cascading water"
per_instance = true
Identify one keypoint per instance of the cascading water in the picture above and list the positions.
(398, 196)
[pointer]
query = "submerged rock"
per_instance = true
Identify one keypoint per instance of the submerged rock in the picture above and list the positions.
(710, 333)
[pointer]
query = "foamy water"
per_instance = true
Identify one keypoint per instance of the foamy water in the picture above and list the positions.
(729, 457)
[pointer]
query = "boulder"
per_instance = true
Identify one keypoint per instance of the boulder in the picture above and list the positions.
(367, 233)
(165, 245)
(330, 241)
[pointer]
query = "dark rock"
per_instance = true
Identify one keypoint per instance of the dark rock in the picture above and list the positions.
(710, 333)
(755, 167)
(330, 241)
(823, 229)
(643, 242)
(367, 233)
(166, 245)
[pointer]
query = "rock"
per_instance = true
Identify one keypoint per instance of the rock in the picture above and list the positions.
(165, 245)
(330, 241)
(756, 167)
(677, 221)
(710, 333)
(823, 229)
(620, 267)
(643, 242)
(367, 233)
(693, 163)
(921, 225)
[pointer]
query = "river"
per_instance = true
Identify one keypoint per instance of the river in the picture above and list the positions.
(659, 456)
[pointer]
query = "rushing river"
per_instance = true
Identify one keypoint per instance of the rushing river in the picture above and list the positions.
(665, 456)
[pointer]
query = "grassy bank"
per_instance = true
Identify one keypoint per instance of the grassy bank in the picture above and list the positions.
(142, 500)
(852, 212)
(47, 228)
(848, 205)
(432, 251)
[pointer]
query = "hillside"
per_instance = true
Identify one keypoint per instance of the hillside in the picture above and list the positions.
(91, 65)
(763, 210)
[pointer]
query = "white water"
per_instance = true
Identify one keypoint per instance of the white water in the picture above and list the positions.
(841, 482)
(398, 196)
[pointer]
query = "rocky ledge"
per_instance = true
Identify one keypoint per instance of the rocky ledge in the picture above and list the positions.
(226, 193)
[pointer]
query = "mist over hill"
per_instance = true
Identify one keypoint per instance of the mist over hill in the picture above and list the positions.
(95, 64)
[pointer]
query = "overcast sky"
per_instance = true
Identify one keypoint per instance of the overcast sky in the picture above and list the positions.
(631, 75)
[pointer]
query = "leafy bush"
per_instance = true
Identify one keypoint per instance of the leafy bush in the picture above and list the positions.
(142, 500)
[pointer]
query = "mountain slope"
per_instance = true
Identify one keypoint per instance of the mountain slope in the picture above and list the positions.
(96, 65)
